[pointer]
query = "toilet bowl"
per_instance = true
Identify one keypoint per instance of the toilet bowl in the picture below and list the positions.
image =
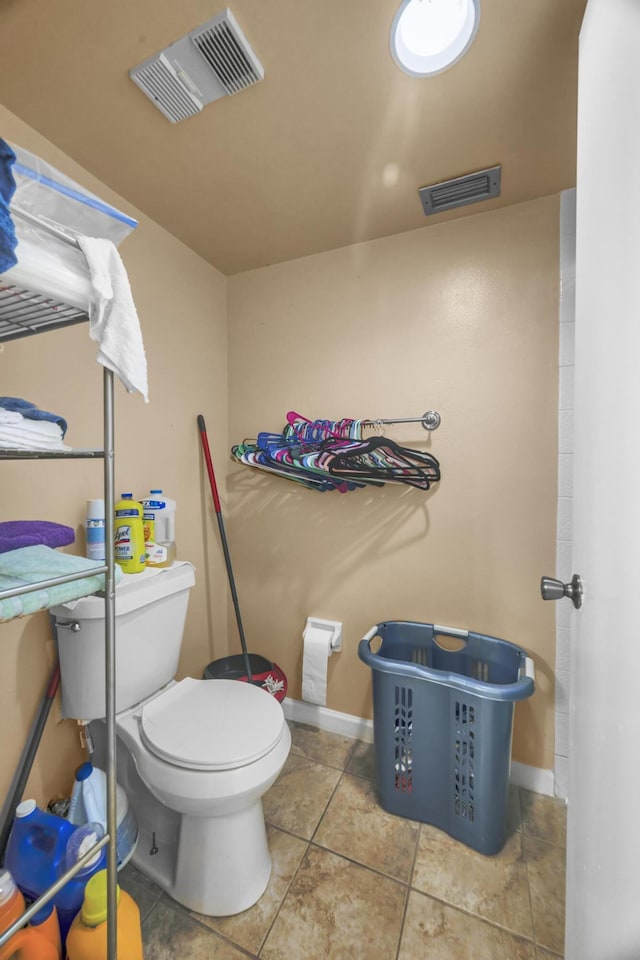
(194, 756)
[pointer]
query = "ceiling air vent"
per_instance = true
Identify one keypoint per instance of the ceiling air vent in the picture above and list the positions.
(225, 48)
(472, 188)
(212, 61)
(162, 84)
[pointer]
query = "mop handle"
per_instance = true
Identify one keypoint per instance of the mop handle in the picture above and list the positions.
(209, 463)
(225, 546)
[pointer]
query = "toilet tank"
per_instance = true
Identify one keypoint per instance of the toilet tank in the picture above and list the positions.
(151, 609)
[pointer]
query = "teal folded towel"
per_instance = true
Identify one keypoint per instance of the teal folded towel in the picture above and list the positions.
(34, 564)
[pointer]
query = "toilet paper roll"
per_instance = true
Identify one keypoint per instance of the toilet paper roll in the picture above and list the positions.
(315, 659)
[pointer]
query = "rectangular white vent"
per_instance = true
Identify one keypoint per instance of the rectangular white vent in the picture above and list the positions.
(213, 60)
(471, 188)
(161, 83)
(226, 50)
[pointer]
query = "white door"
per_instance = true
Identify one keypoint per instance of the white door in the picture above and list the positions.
(603, 846)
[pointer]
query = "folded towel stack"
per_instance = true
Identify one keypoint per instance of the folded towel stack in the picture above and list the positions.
(34, 564)
(15, 534)
(23, 426)
(8, 241)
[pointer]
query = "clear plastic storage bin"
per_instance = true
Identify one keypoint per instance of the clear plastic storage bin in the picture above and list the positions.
(48, 199)
(443, 702)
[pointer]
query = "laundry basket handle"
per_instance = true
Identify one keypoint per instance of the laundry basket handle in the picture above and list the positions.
(529, 669)
(522, 688)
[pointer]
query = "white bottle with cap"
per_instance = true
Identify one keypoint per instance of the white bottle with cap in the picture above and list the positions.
(89, 805)
(159, 529)
(94, 530)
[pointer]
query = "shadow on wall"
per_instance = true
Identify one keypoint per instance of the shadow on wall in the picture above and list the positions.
(342, 532)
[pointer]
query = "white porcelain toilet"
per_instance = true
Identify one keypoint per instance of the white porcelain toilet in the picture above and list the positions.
(194, 756)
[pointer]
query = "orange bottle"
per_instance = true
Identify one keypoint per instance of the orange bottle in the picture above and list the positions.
(40, 940)
(87, 937)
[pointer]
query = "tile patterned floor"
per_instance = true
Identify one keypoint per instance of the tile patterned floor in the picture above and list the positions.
(351, 882)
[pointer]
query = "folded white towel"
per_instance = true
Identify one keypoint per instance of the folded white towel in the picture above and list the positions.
(30, 435)
(10, 416)
(113, 320)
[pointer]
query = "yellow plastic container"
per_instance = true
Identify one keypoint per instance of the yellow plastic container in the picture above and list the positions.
(129, 548)
(35, 941)
(87, 937)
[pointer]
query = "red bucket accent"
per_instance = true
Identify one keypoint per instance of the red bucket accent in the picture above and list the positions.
(264, 673)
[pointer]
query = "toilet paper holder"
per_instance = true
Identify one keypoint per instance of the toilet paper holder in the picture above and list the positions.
(332, 626)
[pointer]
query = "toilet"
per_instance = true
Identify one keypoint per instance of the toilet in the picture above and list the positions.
(194, 756)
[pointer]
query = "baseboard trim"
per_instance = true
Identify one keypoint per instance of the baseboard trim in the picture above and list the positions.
(357, 728)
(536, 779)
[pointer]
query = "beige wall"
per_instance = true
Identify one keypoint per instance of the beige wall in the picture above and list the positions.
(181, 302)
(461, 318)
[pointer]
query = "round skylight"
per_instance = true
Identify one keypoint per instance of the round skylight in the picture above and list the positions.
(427, 36)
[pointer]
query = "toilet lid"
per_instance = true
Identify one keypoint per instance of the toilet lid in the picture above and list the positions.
(212, 724)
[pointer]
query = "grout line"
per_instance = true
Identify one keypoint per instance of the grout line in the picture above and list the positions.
(186, 912)
(402, 921)
(476, 916)
(284, 897)
(409, 887)
(327, 805)
(523, 847)
(358, 863)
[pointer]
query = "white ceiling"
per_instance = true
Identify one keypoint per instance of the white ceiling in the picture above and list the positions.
(330, 148)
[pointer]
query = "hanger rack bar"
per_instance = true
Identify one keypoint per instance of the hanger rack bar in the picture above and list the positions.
(429, 420)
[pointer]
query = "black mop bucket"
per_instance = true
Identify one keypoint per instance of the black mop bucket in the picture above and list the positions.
(250, 667)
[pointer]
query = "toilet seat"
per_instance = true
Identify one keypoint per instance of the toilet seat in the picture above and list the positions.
(211, 724)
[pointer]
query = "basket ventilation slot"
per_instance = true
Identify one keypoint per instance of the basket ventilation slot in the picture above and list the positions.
(420, 655)
(229, 56)
(449, 194)
(480, 670)
(403, 739)
(464, 760)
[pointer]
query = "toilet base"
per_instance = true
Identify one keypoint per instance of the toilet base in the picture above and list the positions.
(214, 865)
(223, 863)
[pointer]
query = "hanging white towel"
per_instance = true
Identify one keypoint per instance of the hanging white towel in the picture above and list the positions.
(113, 320)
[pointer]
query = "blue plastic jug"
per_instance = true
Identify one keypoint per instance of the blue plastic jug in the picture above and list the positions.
(36, 848)
(41, 848)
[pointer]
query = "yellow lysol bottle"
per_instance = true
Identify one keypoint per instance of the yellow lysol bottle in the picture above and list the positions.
(129, 549)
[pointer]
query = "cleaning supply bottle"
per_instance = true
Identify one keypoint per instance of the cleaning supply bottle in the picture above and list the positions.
(159, 529)
(129, 535)
(94, 530)
(69, 900)
(89, 805)
(87, 939)
(36, 848)
(40, 939)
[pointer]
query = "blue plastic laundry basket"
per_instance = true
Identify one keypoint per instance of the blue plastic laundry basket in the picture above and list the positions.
(443, 702)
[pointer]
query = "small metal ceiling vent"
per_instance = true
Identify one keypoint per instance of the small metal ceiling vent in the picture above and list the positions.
(212, 61)
(472, 188)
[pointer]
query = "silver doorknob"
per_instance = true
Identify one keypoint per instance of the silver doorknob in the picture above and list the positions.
(555, 590)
